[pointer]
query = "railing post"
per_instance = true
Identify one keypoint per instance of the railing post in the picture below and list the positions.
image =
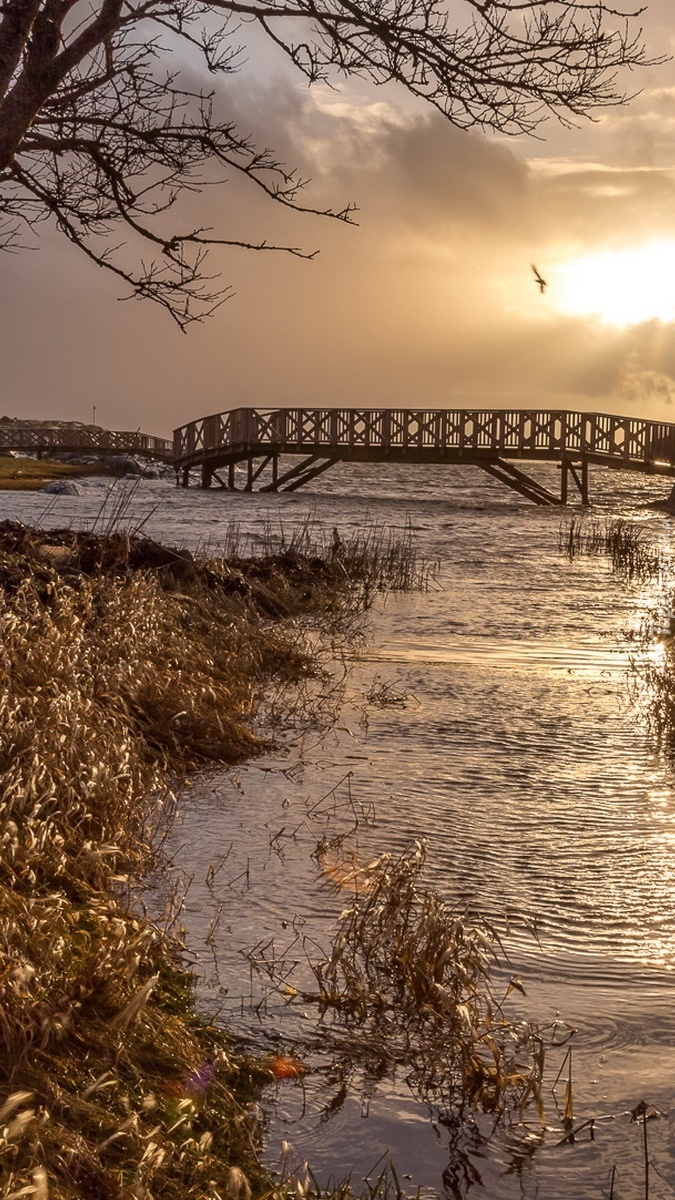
(462, 418)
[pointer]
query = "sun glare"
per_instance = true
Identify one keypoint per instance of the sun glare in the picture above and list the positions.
(622, 287)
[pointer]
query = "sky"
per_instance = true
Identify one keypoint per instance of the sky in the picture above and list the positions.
(429, 301)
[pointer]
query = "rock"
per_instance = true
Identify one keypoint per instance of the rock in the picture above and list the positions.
(124, 464)
(177, 563)
(79, 460)
(63, 487)
(156, 469)
(667, 506)
(56, 556)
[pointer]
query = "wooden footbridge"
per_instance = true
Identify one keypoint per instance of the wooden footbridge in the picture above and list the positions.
(37, 439)
(285, 448)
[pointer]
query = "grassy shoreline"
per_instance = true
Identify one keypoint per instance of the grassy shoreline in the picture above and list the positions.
(31, 474)
(124, 666)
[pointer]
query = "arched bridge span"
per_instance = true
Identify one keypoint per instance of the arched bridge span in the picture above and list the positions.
(285, 448)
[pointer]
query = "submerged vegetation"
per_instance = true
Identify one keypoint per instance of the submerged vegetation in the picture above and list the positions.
(654, 689)
(410, 981)
(635, 555)
(629, 548)
(124, 665)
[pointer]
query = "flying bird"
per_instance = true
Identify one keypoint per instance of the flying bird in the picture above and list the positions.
(539, 280)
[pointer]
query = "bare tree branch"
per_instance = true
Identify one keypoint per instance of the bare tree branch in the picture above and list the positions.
(94, 134)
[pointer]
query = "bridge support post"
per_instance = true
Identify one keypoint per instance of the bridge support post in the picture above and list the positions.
(207, 475)
(583, 486)
(254, 475)
(516, 479)
(186, 477)
(579, 473)
(297, 476)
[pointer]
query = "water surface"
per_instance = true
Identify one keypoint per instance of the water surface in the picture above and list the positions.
(517, 751)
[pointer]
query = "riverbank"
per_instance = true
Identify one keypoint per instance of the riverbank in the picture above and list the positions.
(124, 666)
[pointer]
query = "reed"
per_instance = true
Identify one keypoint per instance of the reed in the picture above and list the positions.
(653, 684)
(107, 686)
(122, 667)
(627, 546)
(373, 559)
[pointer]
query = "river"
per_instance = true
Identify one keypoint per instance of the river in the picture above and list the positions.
(493, 716)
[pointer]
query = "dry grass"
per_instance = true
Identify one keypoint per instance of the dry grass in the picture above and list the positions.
(376, 558)
(106, 685)
(122, 666)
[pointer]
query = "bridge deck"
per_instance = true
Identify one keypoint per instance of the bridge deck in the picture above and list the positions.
(490, 439)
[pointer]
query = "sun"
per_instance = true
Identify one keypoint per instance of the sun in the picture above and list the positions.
(621, 287)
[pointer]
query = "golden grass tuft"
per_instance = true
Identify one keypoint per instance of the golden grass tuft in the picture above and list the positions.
(108, 685)
(123, 666)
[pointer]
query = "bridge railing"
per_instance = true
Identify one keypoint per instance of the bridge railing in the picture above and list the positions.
(41, 437)
(540, 432)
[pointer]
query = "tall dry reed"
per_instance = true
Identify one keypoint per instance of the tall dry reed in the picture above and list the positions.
(627, 545)
(107, 686)
(122, 667)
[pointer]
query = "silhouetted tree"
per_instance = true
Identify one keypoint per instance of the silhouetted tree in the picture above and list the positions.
(96, 132)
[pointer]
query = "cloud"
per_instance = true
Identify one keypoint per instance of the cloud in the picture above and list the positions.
(641, 135)
(638, 388)
(429, 299)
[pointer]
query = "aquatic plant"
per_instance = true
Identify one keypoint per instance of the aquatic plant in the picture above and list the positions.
(410, 981)
(373, 558)
(627, 545)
